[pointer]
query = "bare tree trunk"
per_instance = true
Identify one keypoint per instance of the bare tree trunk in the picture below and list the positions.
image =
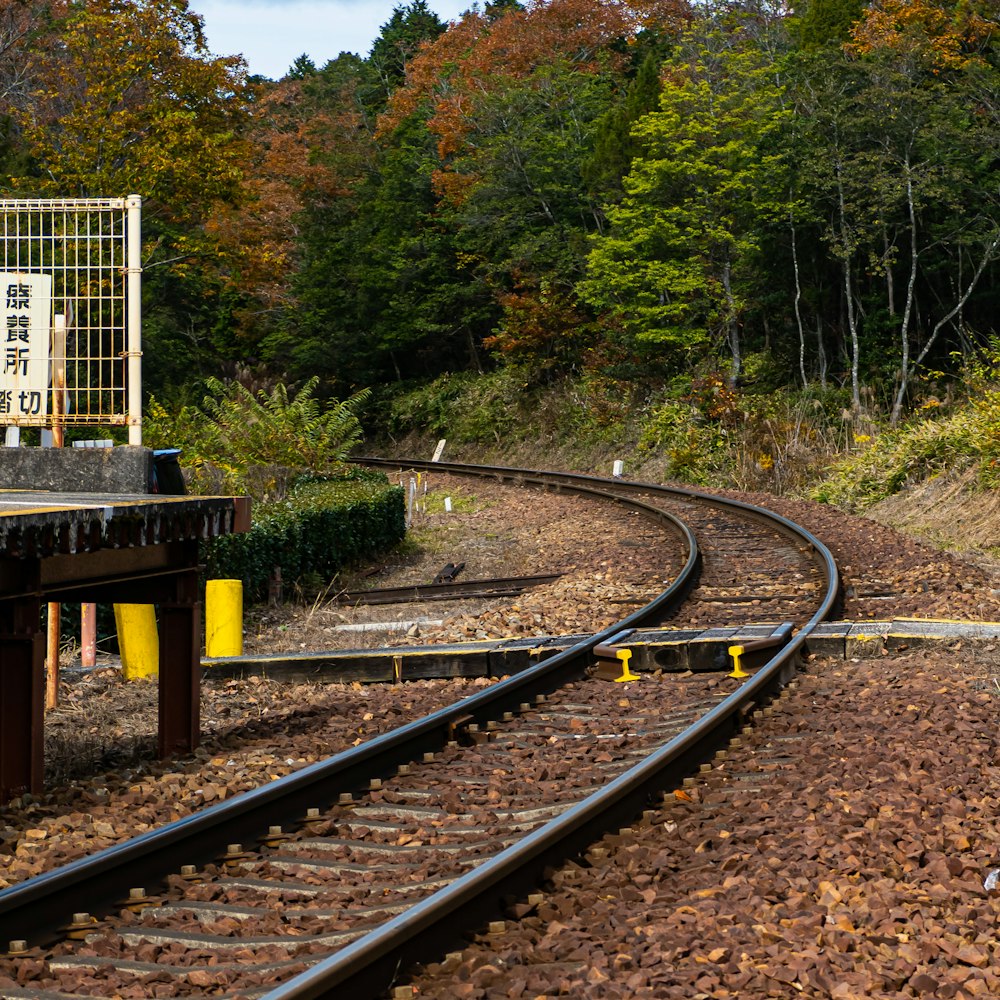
(890, 289)
(798, 300)
(904, 331)
(820, 351)
(473, 353)
(988, 254)
(732, 327)
(852, 321)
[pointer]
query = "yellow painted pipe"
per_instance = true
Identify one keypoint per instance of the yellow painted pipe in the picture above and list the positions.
(224, 618)
(137, 640)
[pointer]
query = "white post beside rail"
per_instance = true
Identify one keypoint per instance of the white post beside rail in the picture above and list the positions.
(134, 318)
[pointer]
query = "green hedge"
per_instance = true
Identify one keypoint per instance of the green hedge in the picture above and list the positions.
(322, 526)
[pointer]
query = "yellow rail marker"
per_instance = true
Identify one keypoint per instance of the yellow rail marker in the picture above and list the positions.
(137, 640)
(625, 655)
(737, 672)
(224, 618)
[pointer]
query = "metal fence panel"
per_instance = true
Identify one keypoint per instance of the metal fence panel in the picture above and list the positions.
(90, 247)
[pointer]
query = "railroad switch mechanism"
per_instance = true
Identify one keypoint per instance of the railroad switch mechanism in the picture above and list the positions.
(612, 664)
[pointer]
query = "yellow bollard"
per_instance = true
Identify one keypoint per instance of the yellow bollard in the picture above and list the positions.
(625, 655)
(738, 672)
(224, 618)
(137, 640)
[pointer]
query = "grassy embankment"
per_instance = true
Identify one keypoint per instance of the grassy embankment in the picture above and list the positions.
(934, 475)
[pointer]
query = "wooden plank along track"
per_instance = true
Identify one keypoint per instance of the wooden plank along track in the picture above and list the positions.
(540, 718)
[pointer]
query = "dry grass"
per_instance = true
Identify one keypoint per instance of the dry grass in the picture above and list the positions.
(100, 723)
(951, 513)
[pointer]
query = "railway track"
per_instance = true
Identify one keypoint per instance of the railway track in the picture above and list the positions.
(754, 565)
(328, 881)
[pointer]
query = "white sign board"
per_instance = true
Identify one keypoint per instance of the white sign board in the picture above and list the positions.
(26, 302)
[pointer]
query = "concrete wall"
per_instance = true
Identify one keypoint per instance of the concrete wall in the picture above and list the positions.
(77, 470)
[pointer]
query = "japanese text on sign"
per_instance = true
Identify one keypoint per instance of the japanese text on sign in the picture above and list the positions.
(26, 300)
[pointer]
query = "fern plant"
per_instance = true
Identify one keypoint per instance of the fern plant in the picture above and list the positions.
(241, 441)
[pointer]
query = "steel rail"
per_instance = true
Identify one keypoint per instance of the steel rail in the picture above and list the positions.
(581, 481)
(498, 586)
(34, 910)
(369, 964)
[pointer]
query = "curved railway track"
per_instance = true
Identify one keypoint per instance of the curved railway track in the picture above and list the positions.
(753, 563)
(333, 878)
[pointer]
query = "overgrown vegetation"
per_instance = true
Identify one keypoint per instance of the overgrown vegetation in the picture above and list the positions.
(733, 239)
(312, 514)
(963, 438)
(259, 443)
(703, 432)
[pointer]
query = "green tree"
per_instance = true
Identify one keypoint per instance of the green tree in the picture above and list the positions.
(614, 144)
(680, 259)
(826, 22)
(522, 209)
(399, 40)
(894, 160)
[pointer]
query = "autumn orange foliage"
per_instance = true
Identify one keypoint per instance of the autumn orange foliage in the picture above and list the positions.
(258, 234)
(478, 55)
(948, 35)
(540, 320)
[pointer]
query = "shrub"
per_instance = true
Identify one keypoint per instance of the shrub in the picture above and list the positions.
(322, 526)
(466, 408)
(689, 445)
(889, 461)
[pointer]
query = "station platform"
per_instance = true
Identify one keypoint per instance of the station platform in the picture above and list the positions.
(64, 547)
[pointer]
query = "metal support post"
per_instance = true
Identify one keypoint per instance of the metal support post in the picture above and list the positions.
(180, 669)
(22, 697)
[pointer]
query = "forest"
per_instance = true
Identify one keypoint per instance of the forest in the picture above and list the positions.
(630, 196)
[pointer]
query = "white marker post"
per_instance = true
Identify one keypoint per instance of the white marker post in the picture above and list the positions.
(410, 502)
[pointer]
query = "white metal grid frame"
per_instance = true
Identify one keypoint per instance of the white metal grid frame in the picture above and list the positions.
(91, 247)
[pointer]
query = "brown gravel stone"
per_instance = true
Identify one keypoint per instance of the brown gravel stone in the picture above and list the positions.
(855, 871)
(862, 878)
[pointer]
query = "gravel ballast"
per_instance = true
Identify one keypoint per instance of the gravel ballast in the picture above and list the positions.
(882, 841)
(842, 852)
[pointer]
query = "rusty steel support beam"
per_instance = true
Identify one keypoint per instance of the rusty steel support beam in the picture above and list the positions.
(66, 547)
(22, 697)
(180, 666)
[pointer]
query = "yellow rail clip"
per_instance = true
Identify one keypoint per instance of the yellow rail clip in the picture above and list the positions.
(737, 672)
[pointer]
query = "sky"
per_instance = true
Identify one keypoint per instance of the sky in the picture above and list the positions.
(271, 34)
